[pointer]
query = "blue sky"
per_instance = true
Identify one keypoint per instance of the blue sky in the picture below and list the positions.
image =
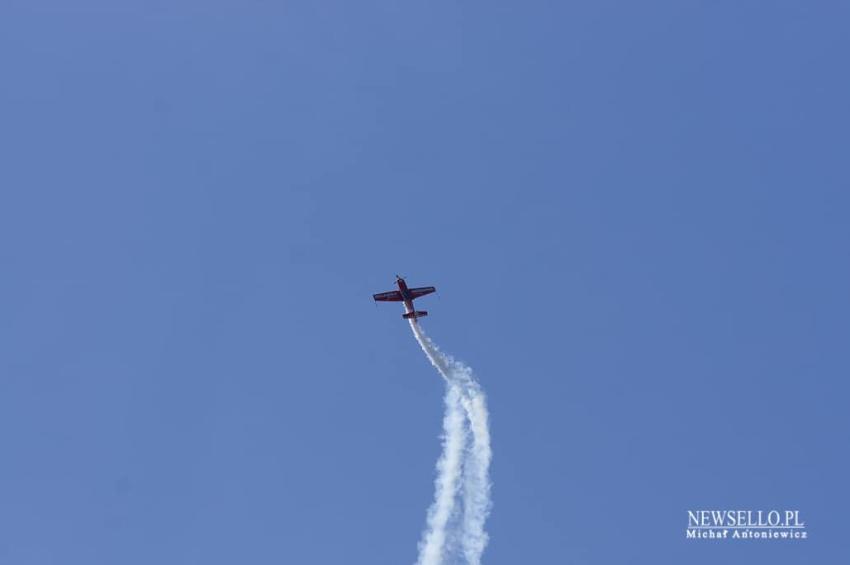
(635, 215)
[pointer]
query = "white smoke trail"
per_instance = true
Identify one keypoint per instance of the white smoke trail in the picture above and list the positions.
(462, 390)
(476, 490)
(447, 483)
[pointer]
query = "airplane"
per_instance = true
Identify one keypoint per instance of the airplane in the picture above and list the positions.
(406, 295)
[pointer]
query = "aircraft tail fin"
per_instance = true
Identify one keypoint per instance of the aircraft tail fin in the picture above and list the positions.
(415, 314)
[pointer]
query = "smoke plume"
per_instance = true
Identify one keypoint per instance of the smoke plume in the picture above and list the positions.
(455, 522)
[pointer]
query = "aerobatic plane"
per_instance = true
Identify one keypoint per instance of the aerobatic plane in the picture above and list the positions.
(406, 295)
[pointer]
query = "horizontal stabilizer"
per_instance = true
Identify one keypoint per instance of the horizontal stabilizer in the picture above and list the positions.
(414, 315)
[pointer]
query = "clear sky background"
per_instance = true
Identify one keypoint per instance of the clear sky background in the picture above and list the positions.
(635, 214)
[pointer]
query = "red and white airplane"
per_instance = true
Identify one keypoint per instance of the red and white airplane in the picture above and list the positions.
(406, 295)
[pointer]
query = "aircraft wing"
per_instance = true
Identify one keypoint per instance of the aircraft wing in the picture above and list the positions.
(391, 296)
(422, 291)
